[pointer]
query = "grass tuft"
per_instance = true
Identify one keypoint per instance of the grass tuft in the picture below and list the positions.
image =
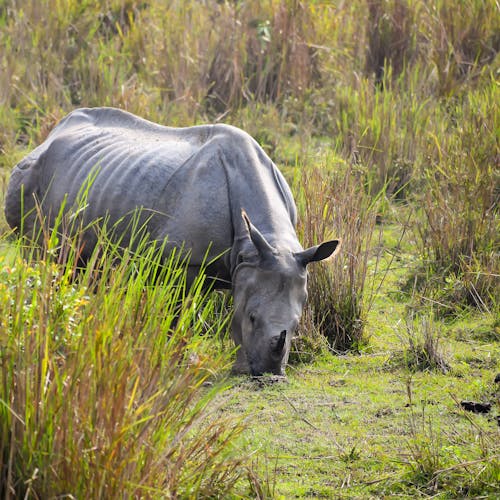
(422, 341)
(334, 202)
(102, 382)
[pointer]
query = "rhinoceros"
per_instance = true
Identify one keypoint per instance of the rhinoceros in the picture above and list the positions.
(209, 189)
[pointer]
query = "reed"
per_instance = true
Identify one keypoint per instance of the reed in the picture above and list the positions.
(334, 203)
(102, 382)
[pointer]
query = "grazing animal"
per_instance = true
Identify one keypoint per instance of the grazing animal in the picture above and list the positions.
(203, 189)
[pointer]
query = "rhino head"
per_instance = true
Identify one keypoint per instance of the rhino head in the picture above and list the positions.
(269, 291)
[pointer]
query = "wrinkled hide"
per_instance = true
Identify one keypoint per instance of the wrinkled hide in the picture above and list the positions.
(205, 188)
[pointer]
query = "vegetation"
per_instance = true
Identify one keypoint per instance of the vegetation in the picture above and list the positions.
(333, 197)
(102, 380)
(384, 117)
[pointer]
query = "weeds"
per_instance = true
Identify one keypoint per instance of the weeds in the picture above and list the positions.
(101, 384)
(422, 340)
(434, 466)
(425, 447)
(335, 200)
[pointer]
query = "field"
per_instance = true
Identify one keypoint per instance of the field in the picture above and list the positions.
(383, 116)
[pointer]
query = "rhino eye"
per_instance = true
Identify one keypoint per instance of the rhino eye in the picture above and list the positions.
(252, 317)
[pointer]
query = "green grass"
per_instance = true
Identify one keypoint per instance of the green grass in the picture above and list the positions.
(345, 428)
(370, 425)
(102, 383)
(393, 106)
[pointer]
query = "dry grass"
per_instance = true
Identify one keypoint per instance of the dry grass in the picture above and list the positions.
(334, 202)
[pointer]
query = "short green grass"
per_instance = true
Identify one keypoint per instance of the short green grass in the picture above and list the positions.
(367, 426)
(344, 428)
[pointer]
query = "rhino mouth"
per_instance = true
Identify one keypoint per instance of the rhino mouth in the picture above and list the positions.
(260, 373)
(273, 364)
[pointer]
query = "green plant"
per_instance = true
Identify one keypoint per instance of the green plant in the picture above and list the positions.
(335, 200)
(102, 382)
(422, 349)
(426, 454)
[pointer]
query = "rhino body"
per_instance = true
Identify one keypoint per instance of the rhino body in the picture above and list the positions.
(208, 188)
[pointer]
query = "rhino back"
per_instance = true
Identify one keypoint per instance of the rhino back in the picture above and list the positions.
(119, 162)
(127, 160)
(194, 180)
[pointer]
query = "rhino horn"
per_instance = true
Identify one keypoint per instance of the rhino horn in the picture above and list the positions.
(281, 342)
(260, 243)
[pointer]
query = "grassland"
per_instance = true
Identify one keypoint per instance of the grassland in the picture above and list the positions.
(374, 425)
(384, 117)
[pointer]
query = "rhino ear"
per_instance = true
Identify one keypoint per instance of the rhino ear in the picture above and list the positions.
(263, 247)
(318, 252)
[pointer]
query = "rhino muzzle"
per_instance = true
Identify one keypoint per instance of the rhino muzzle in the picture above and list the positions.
(273, 363)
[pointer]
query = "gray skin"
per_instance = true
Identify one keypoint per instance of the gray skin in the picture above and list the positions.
(209, 190)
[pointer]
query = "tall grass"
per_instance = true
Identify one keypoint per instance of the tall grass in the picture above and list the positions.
(460, 231)
(102, 382)
(334, 203)
(405, 89)
(381, 129)
(182, 60)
